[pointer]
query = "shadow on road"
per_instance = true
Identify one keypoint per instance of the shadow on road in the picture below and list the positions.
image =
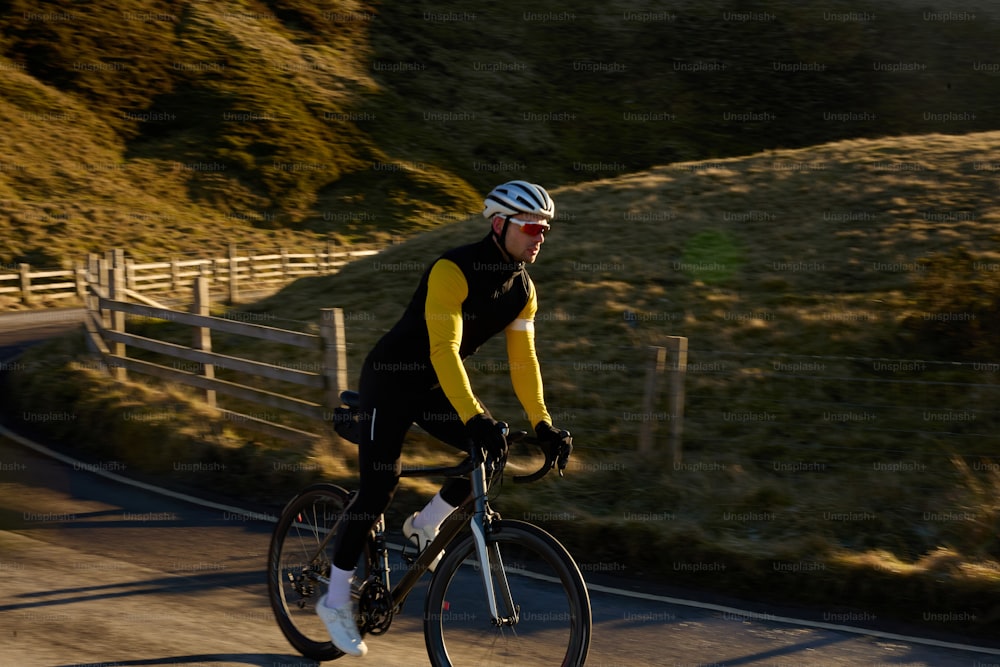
(785, 651)
(168, 584)
(254, 659)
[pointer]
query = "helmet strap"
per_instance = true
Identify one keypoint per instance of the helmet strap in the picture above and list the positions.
(501, 238)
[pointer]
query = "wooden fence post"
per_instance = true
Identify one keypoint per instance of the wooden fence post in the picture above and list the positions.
(331, 330)
(234, 291)
(80, 278)
(103, 279)
(116, 292)
(93, 277)
(93, 300)
(677, 347)
(654, 372)
(175, 274)
(130, 274)
(203, 335)
(330, 252)
(284, 263)
(25, 271)
(207, 270)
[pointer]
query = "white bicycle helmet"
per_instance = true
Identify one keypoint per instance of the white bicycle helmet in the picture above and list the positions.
(516, 197)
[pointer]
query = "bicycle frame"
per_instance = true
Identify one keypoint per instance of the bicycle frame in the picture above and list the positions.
(476, 513)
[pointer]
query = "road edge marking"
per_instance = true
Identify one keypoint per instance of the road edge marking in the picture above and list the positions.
(84, 467)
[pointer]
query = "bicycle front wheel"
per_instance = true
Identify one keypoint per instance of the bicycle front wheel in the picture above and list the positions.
(539, 592)
(298, 567)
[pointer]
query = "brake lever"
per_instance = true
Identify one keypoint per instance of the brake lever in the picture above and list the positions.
(564, 451)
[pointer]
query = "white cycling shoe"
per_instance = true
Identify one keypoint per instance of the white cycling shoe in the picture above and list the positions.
(421, 537)
(342, 627)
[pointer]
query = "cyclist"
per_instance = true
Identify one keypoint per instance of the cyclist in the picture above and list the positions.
(415, 374)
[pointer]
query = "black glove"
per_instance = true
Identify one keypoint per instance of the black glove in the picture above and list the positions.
(558, 444)
(489, 434)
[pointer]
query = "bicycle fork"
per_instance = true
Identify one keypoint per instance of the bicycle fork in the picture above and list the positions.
(490, 561)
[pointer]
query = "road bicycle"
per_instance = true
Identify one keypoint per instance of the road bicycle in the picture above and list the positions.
(506, 592)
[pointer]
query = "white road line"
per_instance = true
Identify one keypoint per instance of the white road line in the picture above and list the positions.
(759, 616)
(733, 611)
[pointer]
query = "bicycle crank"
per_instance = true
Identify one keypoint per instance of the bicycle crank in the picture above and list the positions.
(374, 607)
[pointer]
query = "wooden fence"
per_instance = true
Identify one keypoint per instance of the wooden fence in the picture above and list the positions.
(233, 273)
(29, 285)
(105, 320)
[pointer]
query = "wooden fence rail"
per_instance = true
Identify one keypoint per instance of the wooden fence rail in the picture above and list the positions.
(233, 272)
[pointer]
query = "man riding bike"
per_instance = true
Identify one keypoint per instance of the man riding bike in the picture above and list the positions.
(415, 374)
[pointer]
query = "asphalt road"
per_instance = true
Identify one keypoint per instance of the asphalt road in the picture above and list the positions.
(97, 572)
(19, 329)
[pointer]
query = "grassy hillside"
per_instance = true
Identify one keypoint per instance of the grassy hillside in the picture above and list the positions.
(281, 121)
(838, 254)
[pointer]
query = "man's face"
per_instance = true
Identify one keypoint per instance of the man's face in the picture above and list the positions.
(521, 245)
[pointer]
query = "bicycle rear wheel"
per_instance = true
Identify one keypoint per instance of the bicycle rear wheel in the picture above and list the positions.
(298, 571)
(547, 592)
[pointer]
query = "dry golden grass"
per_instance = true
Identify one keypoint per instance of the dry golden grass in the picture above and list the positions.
(339, 142)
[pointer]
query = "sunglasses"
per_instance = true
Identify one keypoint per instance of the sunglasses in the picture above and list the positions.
(530, 227)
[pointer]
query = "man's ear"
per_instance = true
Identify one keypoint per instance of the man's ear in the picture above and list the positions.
(497, 224)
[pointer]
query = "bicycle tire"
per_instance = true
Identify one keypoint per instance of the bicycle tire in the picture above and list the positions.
(554, 625)
(293, 585)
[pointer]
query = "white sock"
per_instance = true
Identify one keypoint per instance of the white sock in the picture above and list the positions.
(433, 514)
(339, 593)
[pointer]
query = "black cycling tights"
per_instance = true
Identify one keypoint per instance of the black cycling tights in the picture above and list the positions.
(387, 414)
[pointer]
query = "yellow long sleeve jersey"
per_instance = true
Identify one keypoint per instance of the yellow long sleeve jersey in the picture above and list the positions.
(467, 296)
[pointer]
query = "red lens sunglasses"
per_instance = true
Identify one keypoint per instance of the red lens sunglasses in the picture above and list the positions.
(531, 228)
